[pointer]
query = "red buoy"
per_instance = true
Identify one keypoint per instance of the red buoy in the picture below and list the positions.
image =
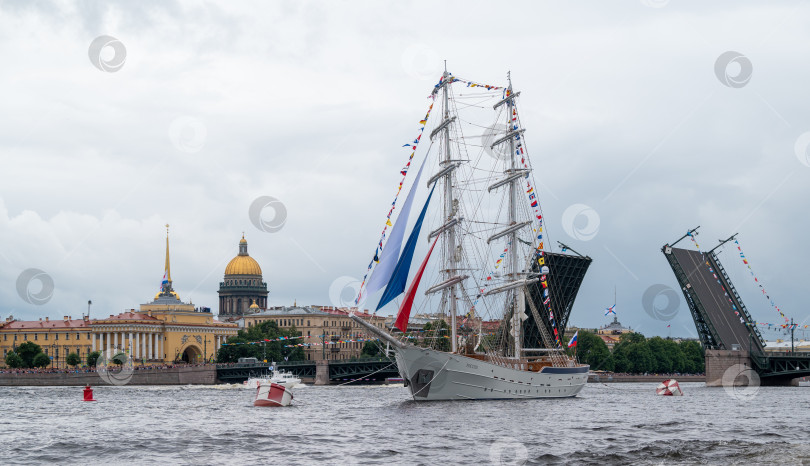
(88, 394)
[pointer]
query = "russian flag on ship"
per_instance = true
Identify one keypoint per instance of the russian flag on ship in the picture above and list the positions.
(573, 341)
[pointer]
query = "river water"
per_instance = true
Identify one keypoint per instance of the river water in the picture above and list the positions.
(605, 424)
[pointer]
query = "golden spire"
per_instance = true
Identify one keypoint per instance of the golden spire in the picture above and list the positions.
(168, 266)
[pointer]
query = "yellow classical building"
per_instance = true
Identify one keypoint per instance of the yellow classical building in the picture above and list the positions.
(165, 330)
(328, 331)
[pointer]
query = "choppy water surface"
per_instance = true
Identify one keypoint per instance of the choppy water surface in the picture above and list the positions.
(618, 423)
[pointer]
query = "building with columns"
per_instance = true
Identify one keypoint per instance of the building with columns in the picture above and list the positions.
(165, 330)
(242, 285)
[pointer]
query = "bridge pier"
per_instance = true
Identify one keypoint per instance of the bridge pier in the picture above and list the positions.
(719, 361)
(322, 372)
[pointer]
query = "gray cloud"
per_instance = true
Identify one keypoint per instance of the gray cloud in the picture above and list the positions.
(309, 103)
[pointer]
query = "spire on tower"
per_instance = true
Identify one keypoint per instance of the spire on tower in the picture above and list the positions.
(168, 268)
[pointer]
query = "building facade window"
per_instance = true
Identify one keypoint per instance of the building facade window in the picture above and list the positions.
(46, 337)
(35, 337)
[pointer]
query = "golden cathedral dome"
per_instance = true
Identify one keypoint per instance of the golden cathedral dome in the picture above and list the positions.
(243, 264)
(254, 305)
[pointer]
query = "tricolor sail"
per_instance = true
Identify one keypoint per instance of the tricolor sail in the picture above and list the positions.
(400, 275)
(404, 314)
(390, 254)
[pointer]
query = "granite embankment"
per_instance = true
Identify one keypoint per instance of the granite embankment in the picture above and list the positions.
(178, 375)
(617, 378)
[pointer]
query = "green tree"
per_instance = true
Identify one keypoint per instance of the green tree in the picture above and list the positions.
(73, 359)
(593, 351)
(371, 349)
(436, 335)
(253, 344)
(119, 358)
(632, 354)
(693, 356)
(92, 358)
(27, 352)
(41, 360)
(641, 358)
(13, 360)
(663, 358)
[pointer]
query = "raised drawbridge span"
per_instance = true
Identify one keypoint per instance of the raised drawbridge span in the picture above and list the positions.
(722, 320)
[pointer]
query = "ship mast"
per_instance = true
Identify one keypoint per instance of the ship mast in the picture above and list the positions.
(515, 294)
(449, 212)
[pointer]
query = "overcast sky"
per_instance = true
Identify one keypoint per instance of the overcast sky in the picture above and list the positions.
(218, 104)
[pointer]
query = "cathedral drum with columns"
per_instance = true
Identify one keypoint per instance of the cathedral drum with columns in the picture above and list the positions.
(242, 286)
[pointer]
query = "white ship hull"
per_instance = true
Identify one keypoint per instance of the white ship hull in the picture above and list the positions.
(436, 375)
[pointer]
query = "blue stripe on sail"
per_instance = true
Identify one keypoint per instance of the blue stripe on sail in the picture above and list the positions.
(390, 254)
(396, 286)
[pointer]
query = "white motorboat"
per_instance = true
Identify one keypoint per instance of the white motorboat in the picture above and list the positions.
(280, 377)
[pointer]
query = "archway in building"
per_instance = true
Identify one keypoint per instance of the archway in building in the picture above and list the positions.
(192, 355)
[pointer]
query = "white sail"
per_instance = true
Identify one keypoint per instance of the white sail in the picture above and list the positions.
(390, 253)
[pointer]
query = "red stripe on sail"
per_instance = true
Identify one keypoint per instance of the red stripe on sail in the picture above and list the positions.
(404, 314)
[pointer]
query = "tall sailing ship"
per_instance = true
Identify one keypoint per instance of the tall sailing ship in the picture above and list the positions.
(494, 263)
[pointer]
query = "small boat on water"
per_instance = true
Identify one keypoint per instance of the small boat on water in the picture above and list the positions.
(288, 379)
(273, 395)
